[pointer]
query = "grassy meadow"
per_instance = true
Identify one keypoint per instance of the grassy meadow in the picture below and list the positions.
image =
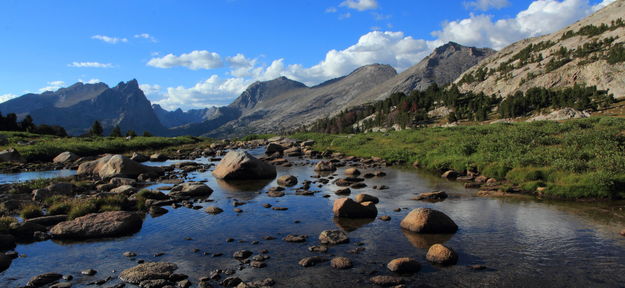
(572, 159)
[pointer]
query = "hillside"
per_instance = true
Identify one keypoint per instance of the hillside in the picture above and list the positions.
(589, 52)
(76, 108)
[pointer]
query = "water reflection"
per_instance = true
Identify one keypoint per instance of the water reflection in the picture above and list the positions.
(27, 176)
(424, 241)
(349, 224)
(243, 189)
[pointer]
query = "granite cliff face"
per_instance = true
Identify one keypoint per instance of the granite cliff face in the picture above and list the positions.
(78, 106)
(582, 53)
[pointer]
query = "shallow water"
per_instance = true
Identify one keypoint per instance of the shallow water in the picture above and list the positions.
(523, 242)
(27, 176)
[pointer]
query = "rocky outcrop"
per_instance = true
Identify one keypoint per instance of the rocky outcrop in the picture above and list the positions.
(98, 225)
(559, 115)
(425, 220)
(239, 165)
(116, 166)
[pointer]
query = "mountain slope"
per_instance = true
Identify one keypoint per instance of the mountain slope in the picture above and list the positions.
(296, 106)
(78, 106)
(590, 51)
(441, 67)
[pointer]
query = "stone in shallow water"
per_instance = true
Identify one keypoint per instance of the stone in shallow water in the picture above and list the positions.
(442, 255)
(404, 265)
(383, 280)
(97, 225)
(425, 220)
(341, 263)
(43, 279)
(312, 261)
(333, 237)
(148, 271)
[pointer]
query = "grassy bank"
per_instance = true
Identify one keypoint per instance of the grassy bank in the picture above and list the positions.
(45, 147)
(574, 159)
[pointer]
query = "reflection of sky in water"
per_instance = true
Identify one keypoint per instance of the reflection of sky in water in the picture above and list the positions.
(26, 176)
(527, 243)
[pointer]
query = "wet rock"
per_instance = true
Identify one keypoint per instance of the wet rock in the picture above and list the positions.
(97, 225)
(404, 265)
(385, 218)
(25, 231)
(65, 157)
(231, 282)
(352, 171)
(116, 166)
(124, 189)
(158, 157)
(341, 263)
(62, 188)
(385, 281)
(43, 279)
(275, 193)
(425, 220)
(343, 192)
(65, 285)
(242, 254)
(239, 165)
(333, 237)
(442, 255)
(360, 198)
(7, 242)
(312, 261)
(274, 148)
(287, 180)
(450, 174)
(622, 232)
(258, 264)
(148, 271)
(157, 211)
(10, 155)
(348, 208)
(480, 179)
(213, 210)
(191, 189)
(139, 157)
(320, 249)
(156, 283)
(279, 208)
(325, 166)
(358, 185)
(119, 181)
(477, 267)
(48, 220)
(184, 283)
(88, 272)
(5, 262)
(129, 254)
(295, 238)
(436, 195)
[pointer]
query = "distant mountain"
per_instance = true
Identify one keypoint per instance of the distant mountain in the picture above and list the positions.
(178, 117)
(590, 52)
(441, 67)
(78, 106)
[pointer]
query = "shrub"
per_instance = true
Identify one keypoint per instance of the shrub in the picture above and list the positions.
(81, 208)
(5, 223)
(30, 211)
(60, 208)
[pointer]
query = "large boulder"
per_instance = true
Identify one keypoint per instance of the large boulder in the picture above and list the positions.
(65, 157)
(239, 165)
(10, 155)
(426, 220)
(97, 225)
(442, 255)
(148, 271)
(116, 166)
(348, 208)
(191, 189)
(274, 148)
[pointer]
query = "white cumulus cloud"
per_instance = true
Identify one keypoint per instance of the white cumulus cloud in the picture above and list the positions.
(360, 5)
(150, 89)
(197, 59)
(213, 91)
(485, 5)
(90, 81)
(7, 97)
(90, 65)
(52, 86)
(108, 39)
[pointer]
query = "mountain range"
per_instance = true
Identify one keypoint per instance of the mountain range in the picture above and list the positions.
(590, 51)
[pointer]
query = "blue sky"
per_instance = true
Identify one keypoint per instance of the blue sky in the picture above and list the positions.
(194, 54)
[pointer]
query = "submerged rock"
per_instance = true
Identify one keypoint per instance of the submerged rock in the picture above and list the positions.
(425, 220)
(312, 261)
(239, 165)
(436, 195)
(333, 237)
(43, 279)
(341, 263)
(97, 225)
(383, 280)
(287, 180)
(404, 265)
(192, 189)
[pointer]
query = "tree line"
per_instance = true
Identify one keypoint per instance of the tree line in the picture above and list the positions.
(10, 123)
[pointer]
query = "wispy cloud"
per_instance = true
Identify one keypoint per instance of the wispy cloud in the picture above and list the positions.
(108, 39)
(90, 65)
(331, 10)
(6, 97)
(52, 86)
(197, 59)
(486, 5)
(146, 36)
(360, 5)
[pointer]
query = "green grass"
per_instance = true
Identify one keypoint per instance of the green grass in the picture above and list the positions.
(46, 147)
(582, 158)
(31, 211)
(80, 207)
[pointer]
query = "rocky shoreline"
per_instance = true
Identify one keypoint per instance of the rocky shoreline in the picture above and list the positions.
(114, 185)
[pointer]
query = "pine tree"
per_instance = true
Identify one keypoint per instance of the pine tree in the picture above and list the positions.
(116, 132)
(96, 129)
(131, 133)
